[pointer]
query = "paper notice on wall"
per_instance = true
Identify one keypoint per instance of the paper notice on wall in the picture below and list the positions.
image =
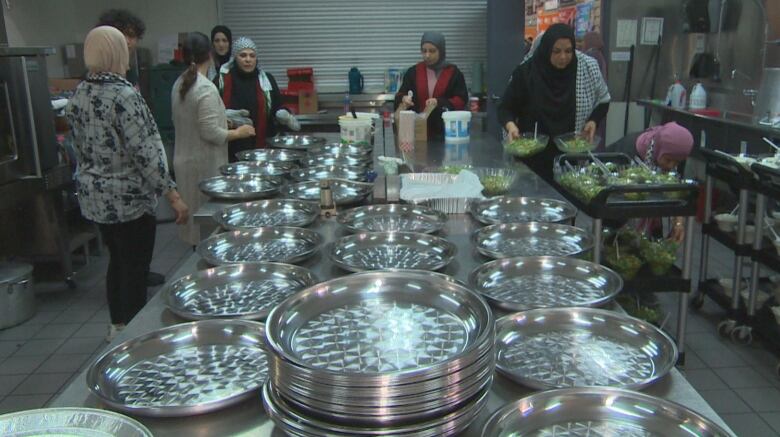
(166, 46)
(626, 33)
(652, 29)
(621, 56)
(700, 41)
(70, 51)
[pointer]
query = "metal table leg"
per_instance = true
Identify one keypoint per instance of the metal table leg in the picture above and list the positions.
(687, 267)
(597, 236)
(726, 327)
(744, 333)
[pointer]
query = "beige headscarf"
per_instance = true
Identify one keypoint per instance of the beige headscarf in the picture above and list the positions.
(105, 50)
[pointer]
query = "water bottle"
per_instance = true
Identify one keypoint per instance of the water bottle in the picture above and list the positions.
(346, 103)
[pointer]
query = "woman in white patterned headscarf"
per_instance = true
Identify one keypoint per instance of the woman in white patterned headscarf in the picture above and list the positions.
(244, 85)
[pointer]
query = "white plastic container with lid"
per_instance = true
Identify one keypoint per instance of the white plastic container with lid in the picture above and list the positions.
(357, 130)
(698, 97)
(457, 126)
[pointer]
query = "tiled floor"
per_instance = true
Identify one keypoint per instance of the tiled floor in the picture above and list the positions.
(39, 357)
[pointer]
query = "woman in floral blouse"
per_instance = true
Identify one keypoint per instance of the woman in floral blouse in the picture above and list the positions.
(122, 170)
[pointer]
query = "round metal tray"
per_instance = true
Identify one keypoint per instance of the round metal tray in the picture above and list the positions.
(531, 239)
(506, 209)
(245, 187)
(329, 172)
(270, 244)
(379, 328)
(341, 149)
(576, 347)
(182, 370)
(294, 422)
(344, 192)
(594, 411)
(59, 422)
(392, 217)
(257, 168)
(392, 250)
(270, 155)
(525, 283)
(246, 291)
(341, 160)
(297, 142)
(271, 212)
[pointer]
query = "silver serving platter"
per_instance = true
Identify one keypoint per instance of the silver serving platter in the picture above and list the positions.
(270, 155)
(577, 347)
(525, 283)
(381, 328)
(319, 172)
(504, 209)
(238, 291)
(344, 192)
(270, 212)
(244, 187)
(66, 422)
(341, 160)
(595, 411)
(392, 250)
(531, 239)
(267, 244)
(341, 149)
(258, 168)
(392, 217)
(298, 142)
(186, 369)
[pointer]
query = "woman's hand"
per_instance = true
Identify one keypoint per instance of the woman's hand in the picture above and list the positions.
(431, 103)
(589, 131)
(179, 207)
(245, 131)
(512, 132)
(407, 102)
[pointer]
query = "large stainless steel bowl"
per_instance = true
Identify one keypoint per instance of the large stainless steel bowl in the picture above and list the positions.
(270, 212)
(266, 244)
(244, 187)
(296, 142)
(320, 172)
(531, 239)
(505, 209)
(392, 250)
(392, 218)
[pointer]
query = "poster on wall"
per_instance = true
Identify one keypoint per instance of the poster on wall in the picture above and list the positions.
(583, 22)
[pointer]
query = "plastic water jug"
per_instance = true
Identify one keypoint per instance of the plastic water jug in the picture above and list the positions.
(355, 81)
(698, 97)
(677, 97)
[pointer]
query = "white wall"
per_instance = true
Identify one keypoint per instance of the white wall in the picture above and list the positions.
(57, 22)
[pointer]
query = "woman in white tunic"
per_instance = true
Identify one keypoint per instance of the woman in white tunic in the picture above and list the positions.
(201, 129)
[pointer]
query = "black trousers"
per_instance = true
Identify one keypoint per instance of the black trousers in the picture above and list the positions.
(130, 247)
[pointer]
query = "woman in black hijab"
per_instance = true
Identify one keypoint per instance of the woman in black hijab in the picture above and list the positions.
(557, 90)
(222, 46)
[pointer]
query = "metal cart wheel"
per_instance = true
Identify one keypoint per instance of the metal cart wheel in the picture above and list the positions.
(697, 301)
(726, 327)
(742, 335)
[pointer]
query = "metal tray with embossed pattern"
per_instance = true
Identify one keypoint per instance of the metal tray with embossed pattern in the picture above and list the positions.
(597, 411)
(186, 369)
(577, 347)
(344, 192)
(378, 329)
(319, 172)
(393, 217)
(531, 239)
(505, 209)
(245, 291)
(65, 422)
(341, 149)
(296, 142)
(270, 155)
(525, 283)
(314, 160)
(243, 187)
(392, 250)
(258, 168)
(267, 244)
(271, 212)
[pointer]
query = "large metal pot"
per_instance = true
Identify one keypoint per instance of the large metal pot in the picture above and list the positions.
(769, 94)
(17, 296)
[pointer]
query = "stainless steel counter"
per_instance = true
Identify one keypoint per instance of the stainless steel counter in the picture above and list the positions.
(248, 418)
(730, 118)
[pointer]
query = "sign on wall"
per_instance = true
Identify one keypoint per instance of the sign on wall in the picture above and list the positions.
(583, 15)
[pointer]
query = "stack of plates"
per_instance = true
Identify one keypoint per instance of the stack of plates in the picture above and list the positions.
(379, 353)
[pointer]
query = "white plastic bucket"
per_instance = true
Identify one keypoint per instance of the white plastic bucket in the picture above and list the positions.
(457, 126)
(357, 130)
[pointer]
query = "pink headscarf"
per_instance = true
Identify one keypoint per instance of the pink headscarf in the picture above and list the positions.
(670, 139)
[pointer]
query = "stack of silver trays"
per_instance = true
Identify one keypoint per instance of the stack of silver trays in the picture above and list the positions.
(395, 352)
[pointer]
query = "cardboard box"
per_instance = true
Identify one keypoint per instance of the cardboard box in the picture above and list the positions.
(420, 128)
(307, 102)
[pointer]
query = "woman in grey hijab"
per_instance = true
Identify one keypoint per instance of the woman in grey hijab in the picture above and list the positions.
(434, 83)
